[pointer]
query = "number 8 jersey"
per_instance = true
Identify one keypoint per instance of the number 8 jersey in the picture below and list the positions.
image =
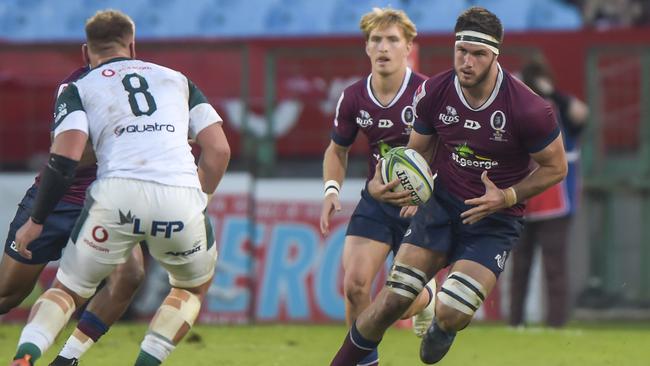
(138, 116)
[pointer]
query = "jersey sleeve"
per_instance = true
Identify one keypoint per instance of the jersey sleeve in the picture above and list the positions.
(540, 128)
(69, 113)
(202, 114)
(345, 127)
(424, 123)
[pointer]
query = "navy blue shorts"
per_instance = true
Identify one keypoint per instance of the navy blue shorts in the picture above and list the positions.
(437, 226)
(56, 230)
(378, 221)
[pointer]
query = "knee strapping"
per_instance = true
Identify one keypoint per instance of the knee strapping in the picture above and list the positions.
(462, 293)
(180, 307)
(406, 280)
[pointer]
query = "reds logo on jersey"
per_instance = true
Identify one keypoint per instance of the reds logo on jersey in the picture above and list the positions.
(364, 120)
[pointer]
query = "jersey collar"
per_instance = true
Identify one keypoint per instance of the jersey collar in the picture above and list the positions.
(116, 59)
(489, 101)
(407, 76)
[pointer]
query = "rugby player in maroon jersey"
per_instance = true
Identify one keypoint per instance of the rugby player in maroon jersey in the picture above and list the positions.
(489, 126)
(379, 106)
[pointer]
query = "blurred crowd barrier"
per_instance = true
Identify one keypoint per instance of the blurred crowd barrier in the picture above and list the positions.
(273, 264)
(278, 97)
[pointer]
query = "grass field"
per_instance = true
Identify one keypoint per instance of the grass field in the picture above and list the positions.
(480, 344)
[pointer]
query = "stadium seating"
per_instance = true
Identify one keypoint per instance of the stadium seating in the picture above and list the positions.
(41, 20)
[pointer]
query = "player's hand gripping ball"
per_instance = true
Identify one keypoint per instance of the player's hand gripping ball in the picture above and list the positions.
(413, 172)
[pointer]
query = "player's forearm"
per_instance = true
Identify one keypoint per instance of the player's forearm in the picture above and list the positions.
(335, 164)
(425, 145)
(541, 179)
(212, 167)
(56, 178)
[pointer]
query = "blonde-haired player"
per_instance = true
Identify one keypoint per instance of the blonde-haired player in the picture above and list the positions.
(380, 106)
(138, 116)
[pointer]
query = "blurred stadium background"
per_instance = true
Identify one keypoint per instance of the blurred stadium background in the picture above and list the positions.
(274, 70)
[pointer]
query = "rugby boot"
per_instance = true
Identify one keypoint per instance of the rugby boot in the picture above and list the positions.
(423, 319)
(435, 344)
(62, 361)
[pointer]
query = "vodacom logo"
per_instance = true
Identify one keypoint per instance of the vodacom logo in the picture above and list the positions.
(100, 234)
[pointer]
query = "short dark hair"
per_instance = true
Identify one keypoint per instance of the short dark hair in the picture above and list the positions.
(108, 29)
(479, 19)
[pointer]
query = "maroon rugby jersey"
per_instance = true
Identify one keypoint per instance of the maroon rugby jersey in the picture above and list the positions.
(76, 194)
(358, 109)
(497, 137)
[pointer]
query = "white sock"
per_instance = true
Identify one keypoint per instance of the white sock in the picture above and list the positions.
(157, 346)
(37, 335)
(76, 345)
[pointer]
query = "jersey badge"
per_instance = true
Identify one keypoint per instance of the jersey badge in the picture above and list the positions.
(498, 123)
(408, 118)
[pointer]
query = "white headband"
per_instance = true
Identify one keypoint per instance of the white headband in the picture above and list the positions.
(478, 38)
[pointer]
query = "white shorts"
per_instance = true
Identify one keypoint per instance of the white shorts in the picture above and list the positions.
(119, 213)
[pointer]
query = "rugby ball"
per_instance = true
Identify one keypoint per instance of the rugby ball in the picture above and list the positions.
(412, 171)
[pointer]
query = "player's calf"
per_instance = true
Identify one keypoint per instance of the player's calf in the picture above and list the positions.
(174, 318)
(48, 316)
(403, 285)
(17, 280)
(10, 301)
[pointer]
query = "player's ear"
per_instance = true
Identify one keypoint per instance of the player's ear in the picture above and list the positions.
(368, 48)
(84, 54)
(409, 47)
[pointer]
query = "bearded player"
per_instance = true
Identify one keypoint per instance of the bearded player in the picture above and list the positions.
(490, 126)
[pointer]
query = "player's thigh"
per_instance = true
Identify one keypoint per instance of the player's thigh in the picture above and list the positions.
(430, 230)
(98, 243)
(48, 245)
(362, 259)
(127, 276)
(184, 246)
(81, 271)
(425, 260)
(377, 221)
(488, 242)
(189, 256)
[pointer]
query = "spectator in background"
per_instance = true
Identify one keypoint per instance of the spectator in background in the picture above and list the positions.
(607, 14)
(548, 215)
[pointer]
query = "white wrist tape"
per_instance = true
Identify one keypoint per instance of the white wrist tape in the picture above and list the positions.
(332, 186)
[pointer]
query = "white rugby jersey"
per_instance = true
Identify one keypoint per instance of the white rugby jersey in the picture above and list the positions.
(138, 116)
